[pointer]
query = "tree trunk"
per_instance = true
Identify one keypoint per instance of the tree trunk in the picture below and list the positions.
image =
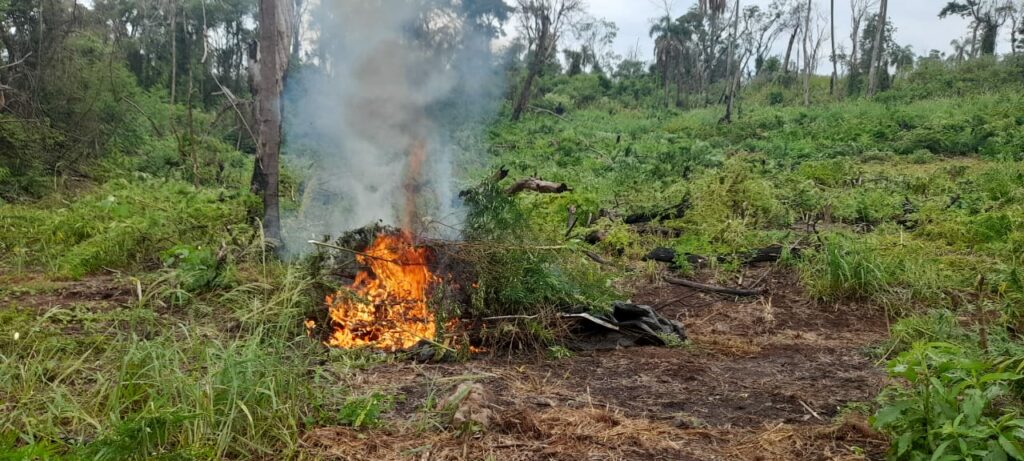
(727, 118)
(1013, 35)
(807, 55)
(974, 40)
(1013, 38)
(789, 50)
(174, 52)
(296, 22)
(876, 53)
(854, 50)
(835, 64)
(536, 66)
(268, 85)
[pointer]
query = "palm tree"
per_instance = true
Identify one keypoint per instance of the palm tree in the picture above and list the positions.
(670, 38)
(715, 7)
(959, 50)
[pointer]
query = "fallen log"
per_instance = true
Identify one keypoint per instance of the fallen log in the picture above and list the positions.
(538, 185)
(677, 211)
(668, 255)
(761, 255)
(715, 288)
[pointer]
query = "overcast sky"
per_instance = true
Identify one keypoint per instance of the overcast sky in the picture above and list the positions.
(917, 23)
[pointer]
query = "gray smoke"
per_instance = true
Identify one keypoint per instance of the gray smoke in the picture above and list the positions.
(388, 78)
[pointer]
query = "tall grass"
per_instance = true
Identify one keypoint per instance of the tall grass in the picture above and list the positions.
(120, 225)
(848, 268)
(193, 391)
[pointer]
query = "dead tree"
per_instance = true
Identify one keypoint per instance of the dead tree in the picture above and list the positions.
(541, 22)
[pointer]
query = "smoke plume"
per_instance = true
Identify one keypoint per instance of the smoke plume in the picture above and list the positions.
(386, 87)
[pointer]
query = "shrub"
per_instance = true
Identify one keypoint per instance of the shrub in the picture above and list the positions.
(514, 274)
(950, 408)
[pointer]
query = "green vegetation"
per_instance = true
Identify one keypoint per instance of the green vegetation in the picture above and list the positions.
(145, 315)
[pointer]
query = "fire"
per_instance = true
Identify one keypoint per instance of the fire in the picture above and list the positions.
(386, 306)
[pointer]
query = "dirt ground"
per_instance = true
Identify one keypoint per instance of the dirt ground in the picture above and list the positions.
(774, 378)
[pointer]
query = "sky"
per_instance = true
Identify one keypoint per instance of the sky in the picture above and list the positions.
(917, 23)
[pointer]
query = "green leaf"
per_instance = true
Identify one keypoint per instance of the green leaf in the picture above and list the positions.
(999, 377)
(1012, 448)
(995, 452)
(939, 451)
(974, 403)
(887, 415)
(903, 443)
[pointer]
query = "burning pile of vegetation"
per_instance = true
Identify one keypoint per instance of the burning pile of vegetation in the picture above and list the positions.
(499, 287)
(386, 305)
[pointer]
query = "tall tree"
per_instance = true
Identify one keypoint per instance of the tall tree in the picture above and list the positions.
(987, 17)
(807, 54)
(832, 57)
(268, 78)
(727, 118)
(876, 52)
(794, 23)
(858, 11)
(1015, 13)
(542, 22)
(764, 30)
(670, 39)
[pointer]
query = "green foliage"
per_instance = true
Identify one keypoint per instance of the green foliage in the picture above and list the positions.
(515, 273)
(122, 225)
(364, 412)
(195, 268)
(847, 268)
(133, 384)
(561, 352)
(949, 408)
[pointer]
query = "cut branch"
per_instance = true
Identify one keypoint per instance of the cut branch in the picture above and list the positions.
(715, 288)
(15, 63)
(152, 122)
(597, 258)
(541, 109)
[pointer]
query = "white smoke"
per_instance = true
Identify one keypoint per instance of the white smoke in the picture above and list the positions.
(386, 77)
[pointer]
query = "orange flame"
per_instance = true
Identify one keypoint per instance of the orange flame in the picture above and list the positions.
(386, 306)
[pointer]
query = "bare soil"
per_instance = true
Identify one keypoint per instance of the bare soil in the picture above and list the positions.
(35, 291)
(763, 379)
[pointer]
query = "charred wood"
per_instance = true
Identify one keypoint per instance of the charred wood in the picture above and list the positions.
(677, 211)
(595, 237)
(761, 255)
